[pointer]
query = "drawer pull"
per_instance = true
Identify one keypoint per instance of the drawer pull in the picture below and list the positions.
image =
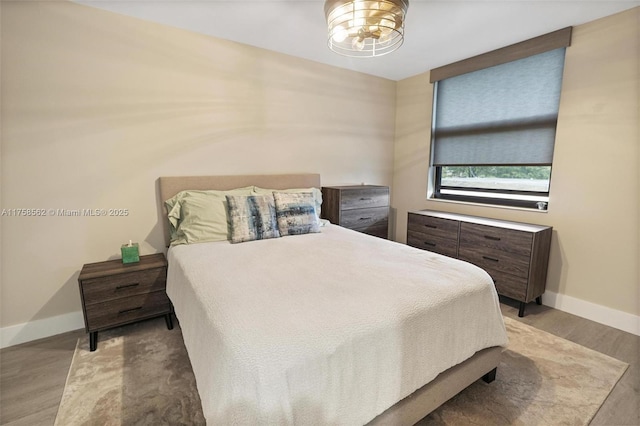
(493, 259)
(120, 287)
(365, 199)
(365, 218)
(489, 237)
(427, 243)
(125, 311)
(431, 226)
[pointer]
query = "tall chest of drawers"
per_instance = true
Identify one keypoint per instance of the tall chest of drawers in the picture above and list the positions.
(516, 255)
(363, 208)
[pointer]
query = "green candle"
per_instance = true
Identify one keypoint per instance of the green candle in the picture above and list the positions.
(130, 253)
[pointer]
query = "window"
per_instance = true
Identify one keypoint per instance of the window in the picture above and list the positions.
(494, 124)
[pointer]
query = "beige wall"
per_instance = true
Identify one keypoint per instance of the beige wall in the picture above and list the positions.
(96, 106)
(595, 186)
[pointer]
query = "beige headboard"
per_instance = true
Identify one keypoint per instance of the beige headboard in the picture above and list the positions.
(171, 185)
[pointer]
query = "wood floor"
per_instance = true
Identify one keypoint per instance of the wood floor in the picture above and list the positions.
(32, 375)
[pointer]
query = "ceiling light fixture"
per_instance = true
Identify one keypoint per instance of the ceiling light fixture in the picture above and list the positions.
(364, 28)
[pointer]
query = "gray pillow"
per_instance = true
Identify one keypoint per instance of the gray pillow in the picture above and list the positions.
(296, 213)
(252, 217)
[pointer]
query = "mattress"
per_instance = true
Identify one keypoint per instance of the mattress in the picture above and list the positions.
(326, 328)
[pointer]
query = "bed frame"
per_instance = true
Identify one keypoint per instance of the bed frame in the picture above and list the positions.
(410, 410)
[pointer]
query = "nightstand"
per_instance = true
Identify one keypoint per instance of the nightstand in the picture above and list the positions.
(363, 208)
(115, 294)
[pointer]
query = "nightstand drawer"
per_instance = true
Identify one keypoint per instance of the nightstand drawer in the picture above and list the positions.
(492, 237)
(103, 289)
(126, 310)
(364, 198)
(445, 246)
(365, 218)
(496, 260)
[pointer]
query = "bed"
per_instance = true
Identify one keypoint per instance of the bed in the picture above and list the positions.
(334, 327)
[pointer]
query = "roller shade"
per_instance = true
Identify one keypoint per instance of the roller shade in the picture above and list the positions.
(501, 115)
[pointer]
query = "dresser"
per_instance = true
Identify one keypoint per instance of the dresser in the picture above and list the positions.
(363, 208)
(516, 255)
(115, 294)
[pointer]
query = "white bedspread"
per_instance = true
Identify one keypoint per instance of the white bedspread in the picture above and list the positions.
(328, 328)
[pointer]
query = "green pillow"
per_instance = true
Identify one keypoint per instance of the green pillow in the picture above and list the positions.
(197, 216)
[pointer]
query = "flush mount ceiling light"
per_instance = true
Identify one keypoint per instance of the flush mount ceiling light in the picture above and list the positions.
(364, 28)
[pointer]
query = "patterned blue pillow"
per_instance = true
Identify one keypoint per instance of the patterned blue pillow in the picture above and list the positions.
(252, 217)
(296, 213)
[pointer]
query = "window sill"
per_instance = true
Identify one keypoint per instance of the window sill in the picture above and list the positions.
(494, 206)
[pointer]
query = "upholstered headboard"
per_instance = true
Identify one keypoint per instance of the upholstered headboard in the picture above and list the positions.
(171, 185)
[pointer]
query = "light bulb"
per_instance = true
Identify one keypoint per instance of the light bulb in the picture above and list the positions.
(339, 34)
(357, 44)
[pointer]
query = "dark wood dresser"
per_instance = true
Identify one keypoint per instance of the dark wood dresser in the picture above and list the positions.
(114, 294)
(363, 208)
(516, 255)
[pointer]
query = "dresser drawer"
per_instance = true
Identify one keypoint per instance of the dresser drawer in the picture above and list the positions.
(381, 230)
(365, 218)
(496, 260)
(445, 246)
(511, 240)
(364, 198)
(442, 228)
(509, 285)
(125, 310)
(103, 289)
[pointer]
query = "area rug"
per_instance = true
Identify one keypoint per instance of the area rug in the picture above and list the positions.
(542, 380)
(141, 375)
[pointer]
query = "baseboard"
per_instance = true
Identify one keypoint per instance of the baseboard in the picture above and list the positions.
(594, 312)
(33, 330)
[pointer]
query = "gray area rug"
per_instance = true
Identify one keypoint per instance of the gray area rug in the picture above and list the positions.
(542, 380)
(141, 375)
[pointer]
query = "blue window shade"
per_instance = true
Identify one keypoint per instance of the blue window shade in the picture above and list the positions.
(502, 115)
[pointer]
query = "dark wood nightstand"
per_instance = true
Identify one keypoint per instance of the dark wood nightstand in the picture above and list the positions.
(363, 208)
(115, 294)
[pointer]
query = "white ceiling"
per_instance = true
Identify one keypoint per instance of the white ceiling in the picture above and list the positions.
(437, 32)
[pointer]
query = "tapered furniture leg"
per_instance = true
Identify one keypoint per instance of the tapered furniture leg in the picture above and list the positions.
(93, 340)
(539, 300)
(169, 321)
(521, 310)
